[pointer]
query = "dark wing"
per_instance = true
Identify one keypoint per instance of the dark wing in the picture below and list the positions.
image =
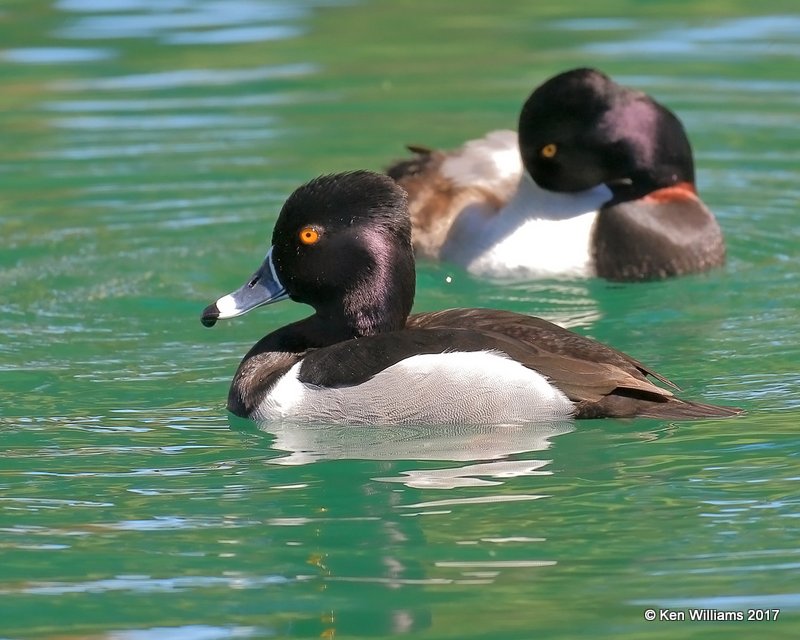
(537, 333)
(355, 361)
(601, 381)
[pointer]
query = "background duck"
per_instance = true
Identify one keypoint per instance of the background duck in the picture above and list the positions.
(342, 244)
(599, 181)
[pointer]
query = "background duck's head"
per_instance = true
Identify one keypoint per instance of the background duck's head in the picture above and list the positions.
(580, 129)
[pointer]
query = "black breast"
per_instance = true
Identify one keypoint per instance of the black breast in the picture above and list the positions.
(649, 239)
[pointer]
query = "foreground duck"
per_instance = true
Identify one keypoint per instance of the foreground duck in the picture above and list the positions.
(598, 181)
(342, 244)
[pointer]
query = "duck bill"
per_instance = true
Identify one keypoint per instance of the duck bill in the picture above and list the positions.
(264, 287)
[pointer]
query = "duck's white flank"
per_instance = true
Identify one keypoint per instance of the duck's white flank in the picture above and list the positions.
(482, 387)
(537, 234)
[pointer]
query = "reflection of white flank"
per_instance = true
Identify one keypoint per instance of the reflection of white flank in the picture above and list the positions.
(499, 564)
(460, 443)
(470, 475)
(488, 499)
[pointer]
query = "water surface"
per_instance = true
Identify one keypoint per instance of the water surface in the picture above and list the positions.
(145, 149)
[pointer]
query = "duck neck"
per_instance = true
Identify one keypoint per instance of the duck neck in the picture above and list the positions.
(644, 182)
(666, 162)
(378, 302)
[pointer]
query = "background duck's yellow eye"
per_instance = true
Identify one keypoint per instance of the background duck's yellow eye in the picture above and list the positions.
(549, 150)
(308, 235)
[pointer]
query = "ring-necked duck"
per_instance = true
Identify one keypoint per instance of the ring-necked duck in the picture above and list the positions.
(599, 181)
(342, 244)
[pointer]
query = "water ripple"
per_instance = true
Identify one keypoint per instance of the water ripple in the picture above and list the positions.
(176, 104)
(468, 475)
(153, 20)
(192, 632)
(239, 34)
(783, 601)
(487, 499)
(56, 55)
(160, 122)
(188, 78)
(145, 584)
(760, 36)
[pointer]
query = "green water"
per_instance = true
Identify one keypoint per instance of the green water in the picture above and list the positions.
(145, 148)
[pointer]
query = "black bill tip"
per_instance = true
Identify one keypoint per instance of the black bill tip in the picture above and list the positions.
(210, 315)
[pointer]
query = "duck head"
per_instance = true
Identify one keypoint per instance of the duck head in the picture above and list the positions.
(342, 244)
(580, 129)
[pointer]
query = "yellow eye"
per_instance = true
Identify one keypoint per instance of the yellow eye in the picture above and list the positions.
(549, 150)
(308, 235)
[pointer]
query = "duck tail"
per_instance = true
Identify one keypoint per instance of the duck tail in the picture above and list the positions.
(423, 160)
(633, 403)
(686, 409)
